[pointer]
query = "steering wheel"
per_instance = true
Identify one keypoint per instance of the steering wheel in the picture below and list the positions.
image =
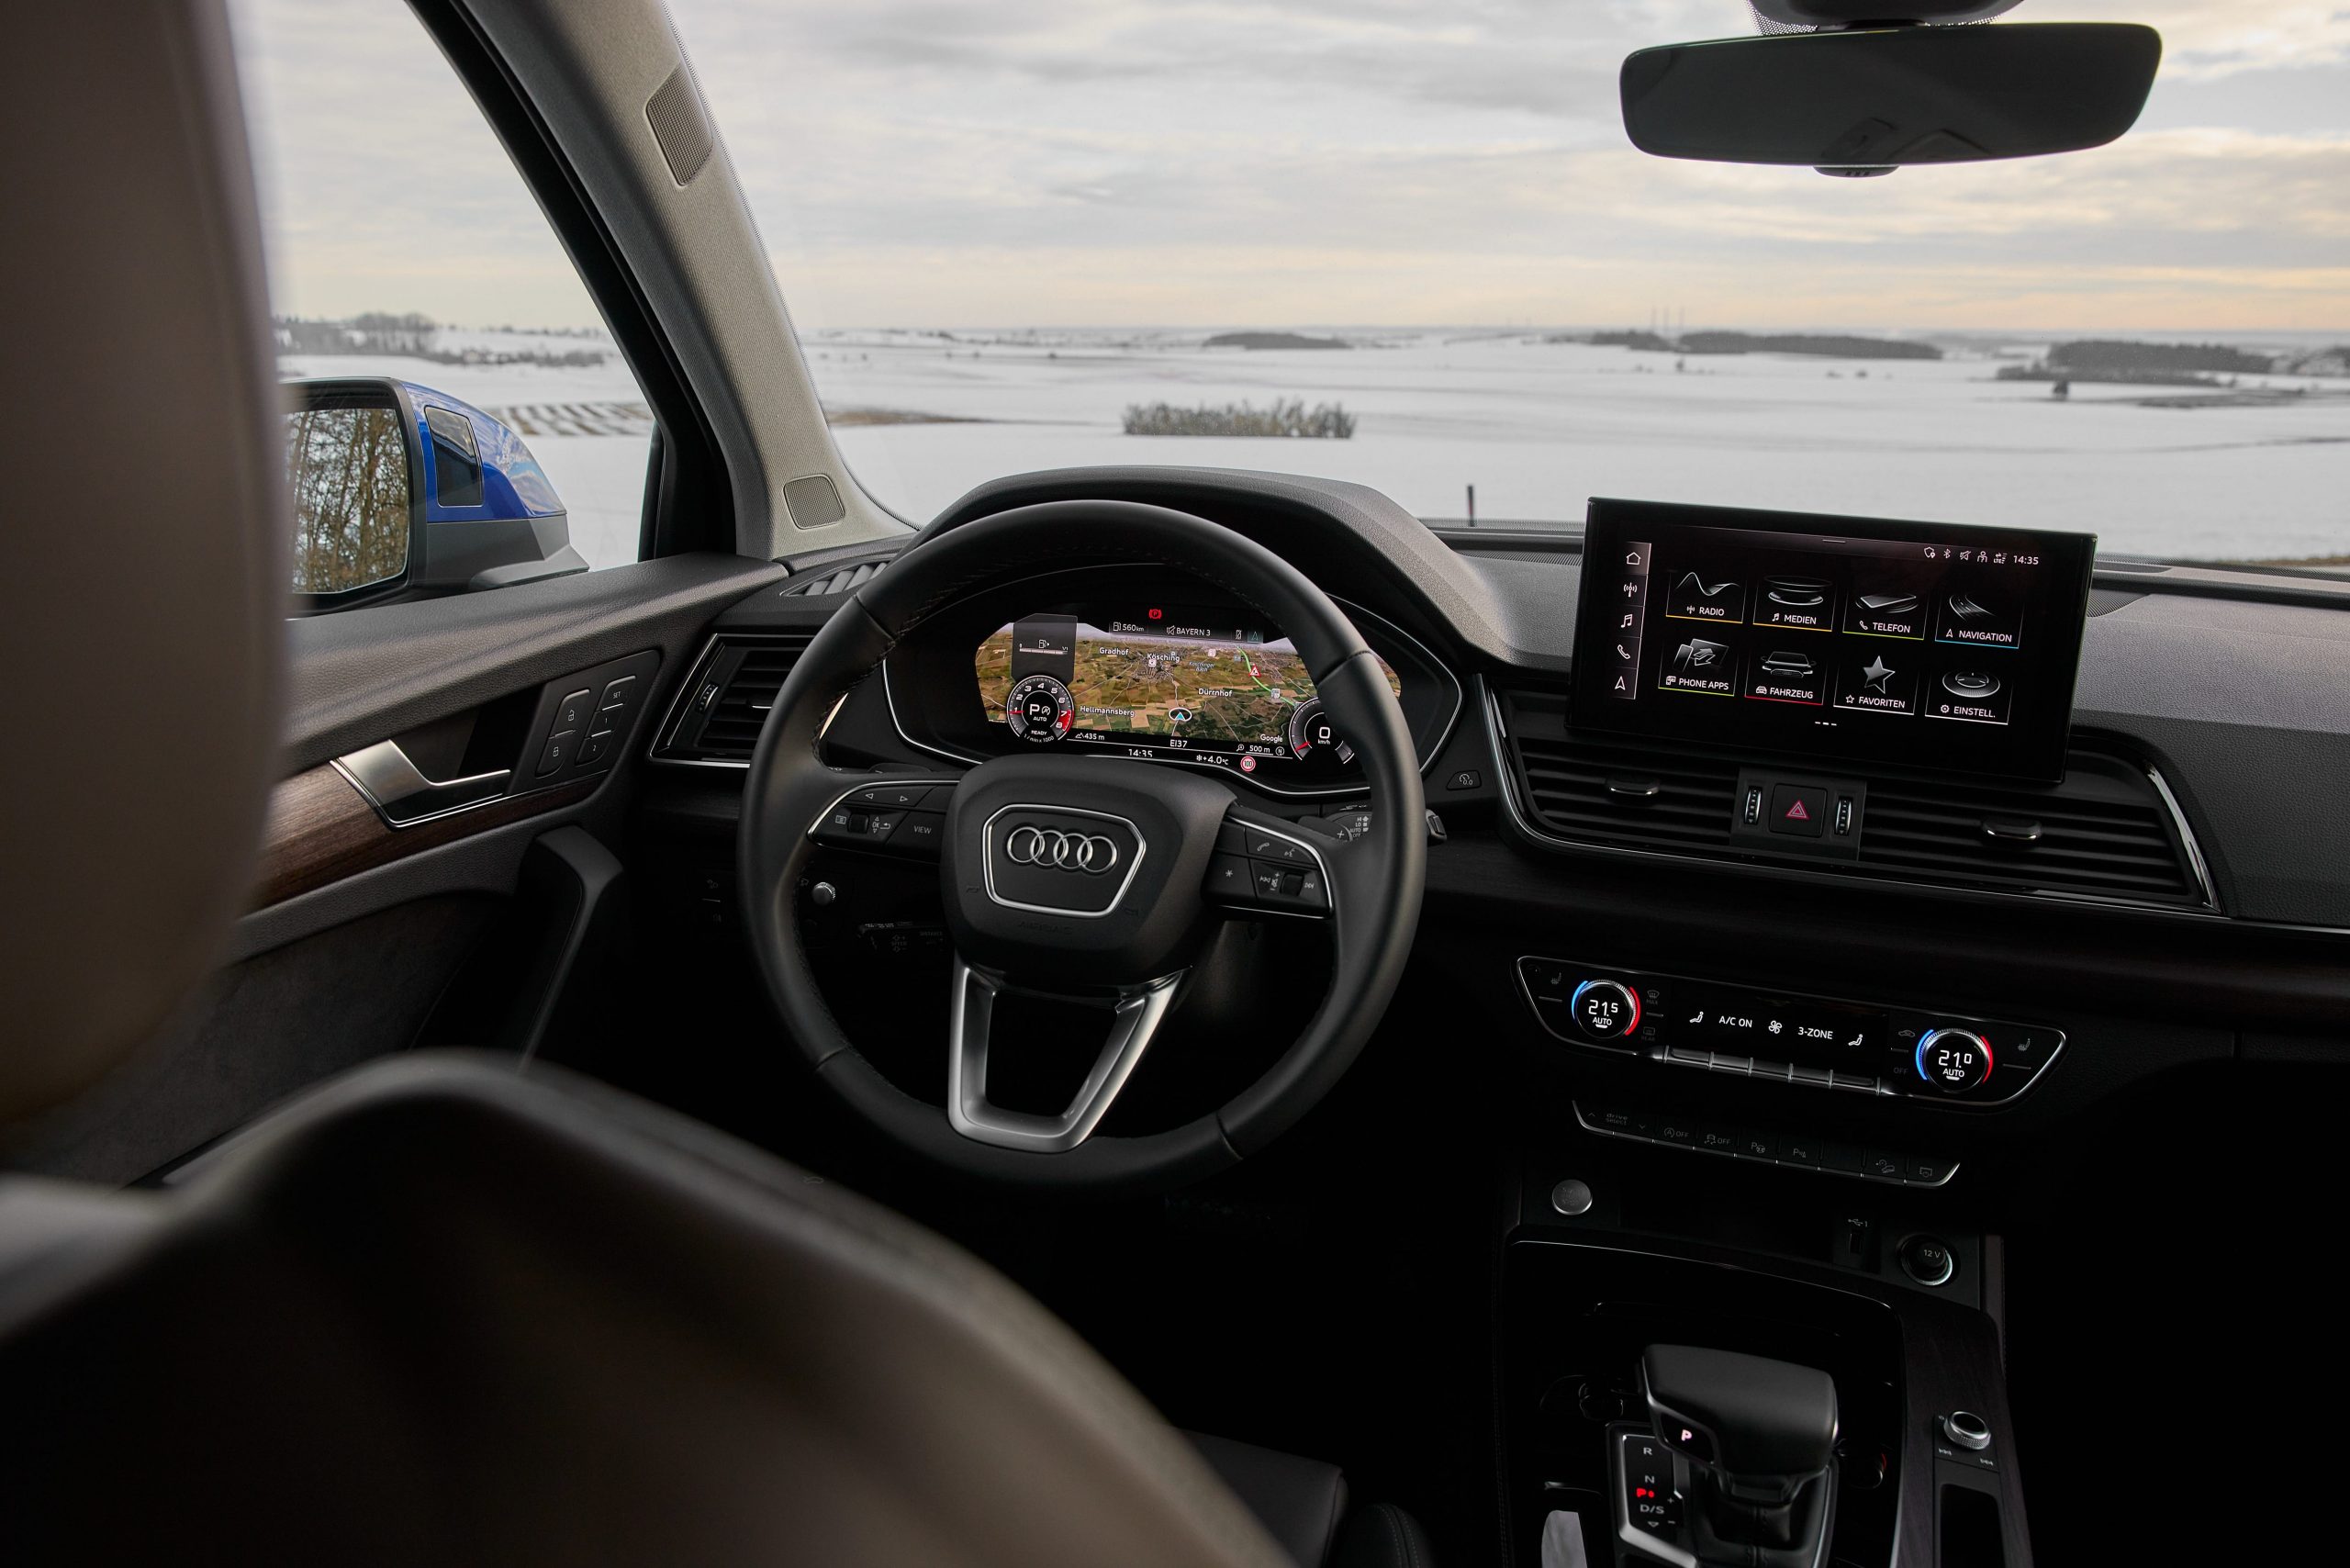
(1055, 866)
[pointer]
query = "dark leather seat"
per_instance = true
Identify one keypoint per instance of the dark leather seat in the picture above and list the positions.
(1302, 1502)
(433, 1311)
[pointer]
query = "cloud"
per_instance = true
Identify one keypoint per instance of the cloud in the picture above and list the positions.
(1061, 162)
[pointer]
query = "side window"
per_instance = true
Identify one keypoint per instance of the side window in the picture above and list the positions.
(457, 415)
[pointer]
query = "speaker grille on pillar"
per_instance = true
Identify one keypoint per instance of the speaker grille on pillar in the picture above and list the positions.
(679, 125)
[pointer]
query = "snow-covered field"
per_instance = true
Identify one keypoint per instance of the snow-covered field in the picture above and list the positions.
(1535, 427)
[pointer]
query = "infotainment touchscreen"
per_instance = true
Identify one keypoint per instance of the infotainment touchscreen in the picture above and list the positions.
(1920, 645)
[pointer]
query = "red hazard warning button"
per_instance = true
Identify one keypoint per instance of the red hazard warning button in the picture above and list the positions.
(1799, 810)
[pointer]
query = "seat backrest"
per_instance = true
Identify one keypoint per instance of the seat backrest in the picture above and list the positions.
(143, 536)
(436, 1313)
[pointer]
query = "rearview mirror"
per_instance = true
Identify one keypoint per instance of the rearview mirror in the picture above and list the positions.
(1868, 100)
(402, 491)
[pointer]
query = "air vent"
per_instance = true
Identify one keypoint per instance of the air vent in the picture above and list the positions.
(725, 704)
(2107, 832)
(844, 579)
(2103, 831)
(1596, 792)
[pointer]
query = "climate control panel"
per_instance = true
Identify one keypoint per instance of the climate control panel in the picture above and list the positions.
(1820, 1041)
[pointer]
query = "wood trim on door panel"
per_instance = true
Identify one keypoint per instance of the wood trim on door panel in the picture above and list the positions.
(321, 829)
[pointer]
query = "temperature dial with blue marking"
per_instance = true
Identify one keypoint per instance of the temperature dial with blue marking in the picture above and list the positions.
(1953, 1060)
(1606, 1009)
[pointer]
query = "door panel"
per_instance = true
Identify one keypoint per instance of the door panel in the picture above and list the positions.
(493, 926)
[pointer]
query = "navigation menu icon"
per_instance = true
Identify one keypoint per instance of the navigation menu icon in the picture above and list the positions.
(1974, 619)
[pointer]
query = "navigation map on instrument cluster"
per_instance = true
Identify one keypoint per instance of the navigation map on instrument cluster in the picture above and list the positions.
(1180, 678)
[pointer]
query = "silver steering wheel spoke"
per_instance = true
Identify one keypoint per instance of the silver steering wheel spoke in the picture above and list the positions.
(1136, 1013)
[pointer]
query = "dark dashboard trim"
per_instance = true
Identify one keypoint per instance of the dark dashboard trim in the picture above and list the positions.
(1497, 730)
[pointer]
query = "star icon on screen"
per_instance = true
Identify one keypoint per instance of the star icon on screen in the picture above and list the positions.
(1877, 673)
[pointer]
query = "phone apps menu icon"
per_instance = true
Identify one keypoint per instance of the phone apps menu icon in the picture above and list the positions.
(1796, 604)
(1627, 609)
(1879, 680)
(1704, 665)
(1703, 596)
(1786, 675)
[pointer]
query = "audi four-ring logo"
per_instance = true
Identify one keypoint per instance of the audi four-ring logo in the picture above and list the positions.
(1089, 853)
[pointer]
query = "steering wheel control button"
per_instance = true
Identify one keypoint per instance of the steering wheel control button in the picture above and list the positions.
(1954, 1062)
(923, 831)
(906, 796)
(1572, 1197)
(847, 824)
(1229, 882)
(1928, 1261)
(1263, 845)
(1965, 1430)
(1605, 1010)
(1798, 810)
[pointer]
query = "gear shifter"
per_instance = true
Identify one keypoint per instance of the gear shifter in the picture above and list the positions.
(1736, 1468)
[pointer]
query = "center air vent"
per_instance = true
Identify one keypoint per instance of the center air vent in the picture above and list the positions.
(2107, 832)
(725, 703)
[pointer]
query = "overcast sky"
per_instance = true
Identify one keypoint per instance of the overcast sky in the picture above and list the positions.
(1019, 163)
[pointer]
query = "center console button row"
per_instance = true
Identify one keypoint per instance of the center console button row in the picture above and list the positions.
(1800, 1151)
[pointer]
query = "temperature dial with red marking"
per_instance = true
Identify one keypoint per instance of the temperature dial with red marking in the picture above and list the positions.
(1606, 1009)
(1953, 1060)
(1038, 710)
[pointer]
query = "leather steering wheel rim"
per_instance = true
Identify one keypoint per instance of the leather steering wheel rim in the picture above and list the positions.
(1377, 879)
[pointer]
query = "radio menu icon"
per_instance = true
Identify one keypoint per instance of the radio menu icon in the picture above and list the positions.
(1704, 596)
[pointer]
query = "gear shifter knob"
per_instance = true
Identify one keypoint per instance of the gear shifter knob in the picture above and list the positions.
(1759, 1441)
(1764, 1426)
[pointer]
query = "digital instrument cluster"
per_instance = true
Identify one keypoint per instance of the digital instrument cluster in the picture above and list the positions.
(1164, 681)
(1915, 643)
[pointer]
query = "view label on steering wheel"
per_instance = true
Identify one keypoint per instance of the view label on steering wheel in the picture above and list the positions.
(1162, 681)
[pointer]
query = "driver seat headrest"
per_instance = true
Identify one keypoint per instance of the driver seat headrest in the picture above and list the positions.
(144, 585)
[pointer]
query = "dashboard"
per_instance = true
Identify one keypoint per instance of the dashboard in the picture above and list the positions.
(1772, 907)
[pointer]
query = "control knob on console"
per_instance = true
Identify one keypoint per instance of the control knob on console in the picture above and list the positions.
(1953, 1060)
(1606, 1009)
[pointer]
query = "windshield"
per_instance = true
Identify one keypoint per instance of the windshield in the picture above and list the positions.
(1409, 245)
